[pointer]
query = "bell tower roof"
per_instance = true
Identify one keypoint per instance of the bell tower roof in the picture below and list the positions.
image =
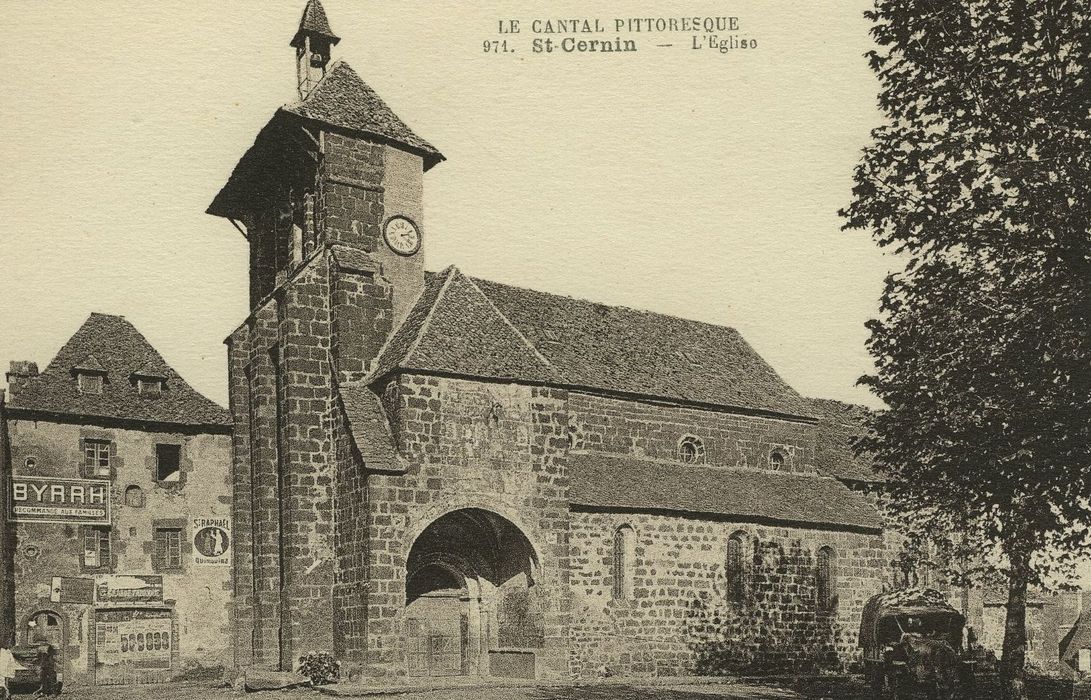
(315, 23)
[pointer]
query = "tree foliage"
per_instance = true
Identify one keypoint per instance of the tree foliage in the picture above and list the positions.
(980, 177)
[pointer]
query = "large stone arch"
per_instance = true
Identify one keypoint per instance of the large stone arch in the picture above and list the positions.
(468, 502)
(470, 593)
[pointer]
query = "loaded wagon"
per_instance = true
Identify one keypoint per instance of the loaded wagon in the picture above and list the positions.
(912, 643)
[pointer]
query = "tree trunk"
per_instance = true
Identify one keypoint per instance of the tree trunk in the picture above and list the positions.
(1014, 656)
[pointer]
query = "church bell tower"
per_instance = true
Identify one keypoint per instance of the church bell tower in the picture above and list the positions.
(330, 200)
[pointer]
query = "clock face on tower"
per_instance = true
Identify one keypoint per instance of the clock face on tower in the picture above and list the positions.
(402, 235)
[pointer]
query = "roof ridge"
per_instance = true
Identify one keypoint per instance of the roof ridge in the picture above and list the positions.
(394, 333)
(452, 272)
(537, 353)
(620, 307)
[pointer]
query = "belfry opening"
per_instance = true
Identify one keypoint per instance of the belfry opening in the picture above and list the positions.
(471, 603)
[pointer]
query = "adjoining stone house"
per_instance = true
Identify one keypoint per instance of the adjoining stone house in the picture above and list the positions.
(117, 477)
(441, 475)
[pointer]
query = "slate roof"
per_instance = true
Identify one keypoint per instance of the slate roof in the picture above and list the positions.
(120, 351)
(344, 100)
(838, 424)
(600, 480)
(1079, 637)
(314, 20)
(369, 427)
(341, 100)
(472, 327)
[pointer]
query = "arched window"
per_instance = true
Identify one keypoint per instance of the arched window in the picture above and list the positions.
(691, 450)
(776, 460)
(134, 496)
(735, 568)
(624, 554)
(826, 579)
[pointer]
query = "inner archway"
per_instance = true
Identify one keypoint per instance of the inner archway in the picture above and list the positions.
(470, 595)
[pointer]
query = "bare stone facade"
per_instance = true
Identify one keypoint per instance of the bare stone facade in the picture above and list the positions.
(117, 514)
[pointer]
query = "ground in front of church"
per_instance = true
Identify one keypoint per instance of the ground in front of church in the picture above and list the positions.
(839, 688)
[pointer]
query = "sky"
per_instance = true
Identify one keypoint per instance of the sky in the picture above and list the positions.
(685, 181)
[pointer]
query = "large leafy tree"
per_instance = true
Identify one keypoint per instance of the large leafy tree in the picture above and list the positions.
(980, 177)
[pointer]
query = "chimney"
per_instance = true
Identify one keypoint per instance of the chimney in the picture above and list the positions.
(17, 375)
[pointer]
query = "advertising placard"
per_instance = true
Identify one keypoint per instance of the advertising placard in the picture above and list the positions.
(67, 589)
(212, 541)
(140, 639)
(129, 588)
(49, 499)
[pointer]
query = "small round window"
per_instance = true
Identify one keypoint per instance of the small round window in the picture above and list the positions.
(30, 462)
(691, 450)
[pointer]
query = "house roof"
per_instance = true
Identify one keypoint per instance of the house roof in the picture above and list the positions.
(472, 327)
(314, 21)
(838, 424)
(600, 480)
(1078, 637)
(341, 100)
(119, 351)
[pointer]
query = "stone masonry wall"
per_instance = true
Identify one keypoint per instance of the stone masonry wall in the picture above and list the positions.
(283, 473)
(306, 458)
(679, 620)
(350, 592)
(494, 447)
(654, 431)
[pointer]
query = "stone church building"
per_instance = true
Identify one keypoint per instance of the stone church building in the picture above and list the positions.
(436, 474)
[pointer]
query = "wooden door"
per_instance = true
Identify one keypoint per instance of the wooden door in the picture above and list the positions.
(47, 626)
(437, 631)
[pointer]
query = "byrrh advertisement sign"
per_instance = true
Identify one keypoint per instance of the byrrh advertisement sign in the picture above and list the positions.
(47, 499)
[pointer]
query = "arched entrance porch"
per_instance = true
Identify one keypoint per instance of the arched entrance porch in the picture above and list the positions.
(471, 595)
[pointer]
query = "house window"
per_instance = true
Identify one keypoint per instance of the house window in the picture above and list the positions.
(89, 383)
(826, 580)
(149, 387)
(168, 461)
(96, 548)
(735, 568)
(776, 461)
(624, 553)
(691, 450)
(168, 549)
(96, 457)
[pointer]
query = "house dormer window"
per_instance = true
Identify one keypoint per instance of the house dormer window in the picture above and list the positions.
(149, 387)
(90, 375)
(148, 381)
(89, 383)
